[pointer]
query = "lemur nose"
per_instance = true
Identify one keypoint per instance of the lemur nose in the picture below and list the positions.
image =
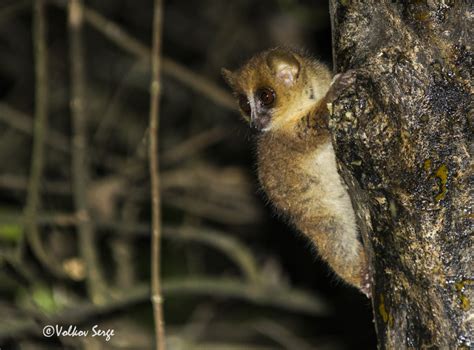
(260, 121)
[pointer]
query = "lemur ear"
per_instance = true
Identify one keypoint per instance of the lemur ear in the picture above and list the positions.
(284, 65)
(228, 77)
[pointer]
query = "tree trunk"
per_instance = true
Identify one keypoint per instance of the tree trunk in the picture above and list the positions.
(402, 134)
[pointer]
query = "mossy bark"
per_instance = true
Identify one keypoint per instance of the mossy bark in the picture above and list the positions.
(402, 134)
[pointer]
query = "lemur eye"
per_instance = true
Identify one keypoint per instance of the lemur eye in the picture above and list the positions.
(266, 95)
(244, 104)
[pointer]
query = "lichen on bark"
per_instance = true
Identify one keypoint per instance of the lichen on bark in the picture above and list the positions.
(402, 134)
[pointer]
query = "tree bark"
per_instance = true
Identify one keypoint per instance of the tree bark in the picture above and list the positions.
(402, 134)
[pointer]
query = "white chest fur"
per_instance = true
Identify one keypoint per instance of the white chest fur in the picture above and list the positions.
(333, 193)
(323, 162)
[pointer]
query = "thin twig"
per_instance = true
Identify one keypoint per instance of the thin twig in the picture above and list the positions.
(132, 45)
(193, 145)
(15, 182)
(80, 166)
(23, 122)
(199, 84)
(40, 126)
(123, 249)
(231, 247)
(227, 213)
(155, 88)
(60, 219)
(277, 296)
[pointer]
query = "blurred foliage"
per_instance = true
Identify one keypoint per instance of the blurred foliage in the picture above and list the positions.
(11, 232)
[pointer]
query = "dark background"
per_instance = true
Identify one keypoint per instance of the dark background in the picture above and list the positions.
(208, 183)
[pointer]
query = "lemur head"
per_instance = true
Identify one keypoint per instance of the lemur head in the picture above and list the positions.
(276, 87)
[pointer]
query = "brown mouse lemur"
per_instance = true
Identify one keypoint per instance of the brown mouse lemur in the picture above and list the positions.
(284, 95)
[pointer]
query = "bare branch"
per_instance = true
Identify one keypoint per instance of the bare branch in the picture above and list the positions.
(193, 145)
(20, 183)
(80, 165)
(24, 123)
(155, 90)
(276, 296)
(40, 126)
(228, 245)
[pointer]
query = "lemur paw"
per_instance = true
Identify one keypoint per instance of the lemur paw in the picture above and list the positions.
(340, 82)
